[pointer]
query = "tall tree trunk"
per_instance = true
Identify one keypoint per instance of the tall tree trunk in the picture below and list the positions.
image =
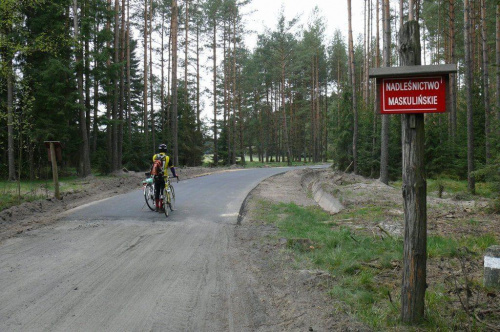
(186, 48)
(226, 123)
(259, 110)
(471, 181)
(453, 77)
(123, 104)
(285, 126)
(240, 122)
(339, 87)
(162, 80)
(108, 88)
(87, 73)
(169, 85)
(486, 83)
(129, 108)
(353, 87)
(326, 124)
(366, 80)
(375, 106)
(151, 85)
(317, 111)
(384, 140)
(314, 132)
(10, 120)
(116, 90)
(401, 15)
(497, 33)
(145, 95)
(365, 49)
(95, 127)
(214, 50)
(198, 110)
(85, 153)
(174, 82)
(233, 155)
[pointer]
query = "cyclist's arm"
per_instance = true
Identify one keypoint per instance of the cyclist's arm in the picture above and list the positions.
(172, 168)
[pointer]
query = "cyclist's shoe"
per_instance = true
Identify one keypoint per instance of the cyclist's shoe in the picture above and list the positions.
(157, 209)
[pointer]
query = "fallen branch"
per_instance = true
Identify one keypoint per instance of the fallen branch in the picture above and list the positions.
(378, 267)
(386, 232)
(352, 237)
(489, 326)
(348, 167)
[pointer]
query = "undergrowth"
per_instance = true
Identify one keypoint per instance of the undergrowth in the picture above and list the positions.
(366, 268)
(15, 193)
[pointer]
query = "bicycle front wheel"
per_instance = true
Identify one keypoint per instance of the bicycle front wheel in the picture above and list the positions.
(171, 203)
(165, 203)
(149, 196)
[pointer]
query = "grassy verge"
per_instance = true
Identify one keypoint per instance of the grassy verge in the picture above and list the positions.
(14, 193)
(453, 188)
(366, 268)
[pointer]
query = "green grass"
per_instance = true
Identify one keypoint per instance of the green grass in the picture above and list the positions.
(14, 193)
(362, 265)
(455, 188)
(349, 258)
(439, 246)
(371, 213)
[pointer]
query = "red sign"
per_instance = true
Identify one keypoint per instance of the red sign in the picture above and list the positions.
(413, 95)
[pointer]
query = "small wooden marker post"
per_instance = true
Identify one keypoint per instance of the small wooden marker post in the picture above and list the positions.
(492, 267)
(412, 90)
(53, 147)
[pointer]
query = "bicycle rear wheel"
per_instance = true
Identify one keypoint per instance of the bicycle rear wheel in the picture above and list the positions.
(149, 196)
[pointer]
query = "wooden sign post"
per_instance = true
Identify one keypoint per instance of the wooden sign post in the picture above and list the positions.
(54, 148)
(412, 90)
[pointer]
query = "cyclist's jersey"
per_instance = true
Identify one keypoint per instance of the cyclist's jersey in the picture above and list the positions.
(165, 160)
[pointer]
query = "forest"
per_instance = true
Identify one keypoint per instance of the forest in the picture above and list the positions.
(112, 79)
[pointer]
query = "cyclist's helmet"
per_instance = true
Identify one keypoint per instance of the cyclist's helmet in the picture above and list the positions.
(162, 148)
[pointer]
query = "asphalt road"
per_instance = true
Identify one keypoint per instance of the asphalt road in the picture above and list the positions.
(114, 265)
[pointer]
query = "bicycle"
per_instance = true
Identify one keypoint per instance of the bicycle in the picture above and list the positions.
(169, 198)
(167, 201)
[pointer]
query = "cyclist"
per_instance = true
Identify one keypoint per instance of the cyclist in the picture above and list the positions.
(159, 180)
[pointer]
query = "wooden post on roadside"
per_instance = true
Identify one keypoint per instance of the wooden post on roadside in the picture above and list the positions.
(53, 157)
(54, 170)
(412, 90)
(414, 192)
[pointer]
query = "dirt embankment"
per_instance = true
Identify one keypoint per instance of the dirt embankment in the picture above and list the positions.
(295, 299)
(299, 297)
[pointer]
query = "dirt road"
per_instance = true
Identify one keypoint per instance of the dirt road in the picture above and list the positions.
(116, 266)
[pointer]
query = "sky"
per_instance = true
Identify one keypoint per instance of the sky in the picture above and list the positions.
(263, 13)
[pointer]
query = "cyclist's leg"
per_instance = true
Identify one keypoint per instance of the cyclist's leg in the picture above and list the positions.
(161, 189)
(157, 194)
